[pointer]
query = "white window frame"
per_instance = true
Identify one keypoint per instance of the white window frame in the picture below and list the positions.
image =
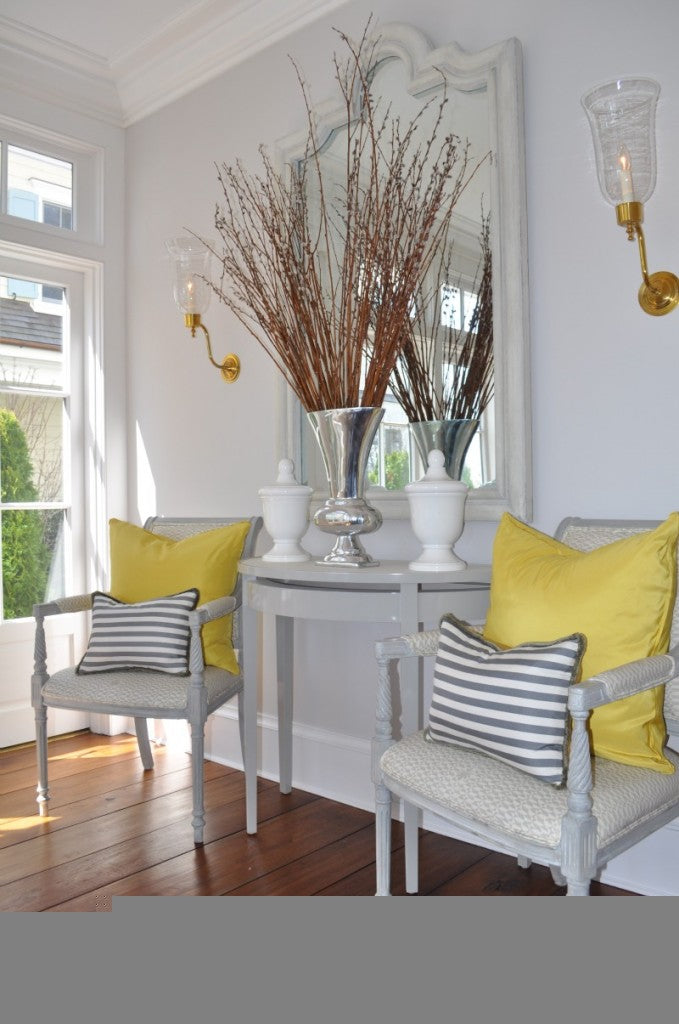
(86, 497)
(87, 184)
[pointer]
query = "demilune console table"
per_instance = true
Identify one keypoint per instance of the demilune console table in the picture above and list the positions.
(389, 592)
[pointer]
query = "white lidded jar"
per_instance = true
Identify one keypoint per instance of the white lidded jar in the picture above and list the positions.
(285, 510)
(437, 516)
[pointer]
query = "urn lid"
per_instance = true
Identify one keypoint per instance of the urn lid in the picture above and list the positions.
(435, 480)
(285, 482)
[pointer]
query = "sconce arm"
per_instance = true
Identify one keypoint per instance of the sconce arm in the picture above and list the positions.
(659, 292)
(642, 256)
(230, 367)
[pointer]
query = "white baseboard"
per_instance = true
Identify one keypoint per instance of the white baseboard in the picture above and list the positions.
(329, 764)
(650, 867)
(17, 723)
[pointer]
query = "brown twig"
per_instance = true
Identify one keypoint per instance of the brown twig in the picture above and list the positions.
(446, 372)
(327, 291)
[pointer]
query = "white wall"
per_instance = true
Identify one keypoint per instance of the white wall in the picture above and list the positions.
(605, 418)
(603, 384)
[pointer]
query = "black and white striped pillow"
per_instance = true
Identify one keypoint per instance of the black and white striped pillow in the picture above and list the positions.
(148, 634)
(508, 703)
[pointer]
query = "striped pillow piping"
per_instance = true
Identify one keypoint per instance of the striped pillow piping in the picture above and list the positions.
(153, 635)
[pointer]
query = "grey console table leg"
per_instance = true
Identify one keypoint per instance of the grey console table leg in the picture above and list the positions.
(410, 678)
(250, 683)
(285, 653)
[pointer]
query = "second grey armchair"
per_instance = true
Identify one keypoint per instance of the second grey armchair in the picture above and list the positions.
(605, 807)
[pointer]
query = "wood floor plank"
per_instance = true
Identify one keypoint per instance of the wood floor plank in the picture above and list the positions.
(226, 864)
(18, 810)
(499, 875)
(24, 755)
(168, 843)
(108, 829)
(114, 830)
(65, 764)
(194, 872)
(307, 875)
(439, 857)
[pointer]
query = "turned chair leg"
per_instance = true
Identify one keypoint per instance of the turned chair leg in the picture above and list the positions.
(383, 840)
(197, 755)
(41, 748)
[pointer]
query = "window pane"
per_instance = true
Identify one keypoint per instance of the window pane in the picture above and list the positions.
(450, 307)
(396, 457)
(53, 293)
(32, 559)
(470, 300)
(389, 459)
(39, 187)
(58, 216)
(31, 439)
(31, 336)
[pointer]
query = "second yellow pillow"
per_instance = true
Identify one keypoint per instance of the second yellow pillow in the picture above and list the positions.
(621, 596)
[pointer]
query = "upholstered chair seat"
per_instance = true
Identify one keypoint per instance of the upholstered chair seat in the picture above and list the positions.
(152, 693)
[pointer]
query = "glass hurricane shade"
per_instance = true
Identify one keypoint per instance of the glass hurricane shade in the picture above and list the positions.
(191, 265)
(622, 118)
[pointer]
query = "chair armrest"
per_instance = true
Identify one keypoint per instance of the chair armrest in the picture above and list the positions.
(604, 688)
(211, 610)
(413, 645)
(623, 681)
(64, 605)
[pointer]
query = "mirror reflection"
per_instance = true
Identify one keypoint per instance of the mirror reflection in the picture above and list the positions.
(457, 362)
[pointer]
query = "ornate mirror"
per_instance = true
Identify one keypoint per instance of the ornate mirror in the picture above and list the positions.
(485, 108)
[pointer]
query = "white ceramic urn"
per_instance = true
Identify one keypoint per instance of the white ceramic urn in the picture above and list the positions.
(437, 516)
(285, 510)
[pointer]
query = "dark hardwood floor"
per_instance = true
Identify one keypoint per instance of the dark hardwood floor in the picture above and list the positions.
(114, 829)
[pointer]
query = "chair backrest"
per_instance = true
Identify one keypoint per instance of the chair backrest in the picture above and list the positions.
(587, 534)
(180, 527)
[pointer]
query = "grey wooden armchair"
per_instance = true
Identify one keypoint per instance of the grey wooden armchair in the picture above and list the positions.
(605, 808)
(143, 694)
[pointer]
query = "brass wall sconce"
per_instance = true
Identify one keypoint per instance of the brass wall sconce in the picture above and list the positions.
(622, 118)
(191, 264)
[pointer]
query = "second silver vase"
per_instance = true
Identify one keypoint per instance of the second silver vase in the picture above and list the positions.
(452, 437)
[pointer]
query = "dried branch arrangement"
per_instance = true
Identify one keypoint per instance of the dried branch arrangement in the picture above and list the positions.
(327, 287)
(446, 372)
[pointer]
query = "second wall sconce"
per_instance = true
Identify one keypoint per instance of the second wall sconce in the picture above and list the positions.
(191, 264)
(622, 118)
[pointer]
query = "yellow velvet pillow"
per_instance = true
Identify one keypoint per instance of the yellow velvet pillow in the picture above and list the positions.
(145, 565)
(620, 596)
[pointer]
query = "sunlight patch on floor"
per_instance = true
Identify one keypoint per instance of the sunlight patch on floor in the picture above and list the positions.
(95, 751)
(22, 824)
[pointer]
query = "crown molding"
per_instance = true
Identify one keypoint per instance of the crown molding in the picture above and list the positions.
(48, 69)
(196, 46)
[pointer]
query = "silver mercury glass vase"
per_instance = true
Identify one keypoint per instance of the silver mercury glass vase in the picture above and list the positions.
(452, 437)
(345, 437)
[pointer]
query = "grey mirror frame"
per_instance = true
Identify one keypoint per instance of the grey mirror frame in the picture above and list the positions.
(499, 69)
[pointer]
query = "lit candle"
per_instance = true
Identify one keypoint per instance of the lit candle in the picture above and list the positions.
(190, 297)
(625, 175)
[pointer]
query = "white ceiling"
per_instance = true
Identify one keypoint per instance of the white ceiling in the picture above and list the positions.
(123, 59)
